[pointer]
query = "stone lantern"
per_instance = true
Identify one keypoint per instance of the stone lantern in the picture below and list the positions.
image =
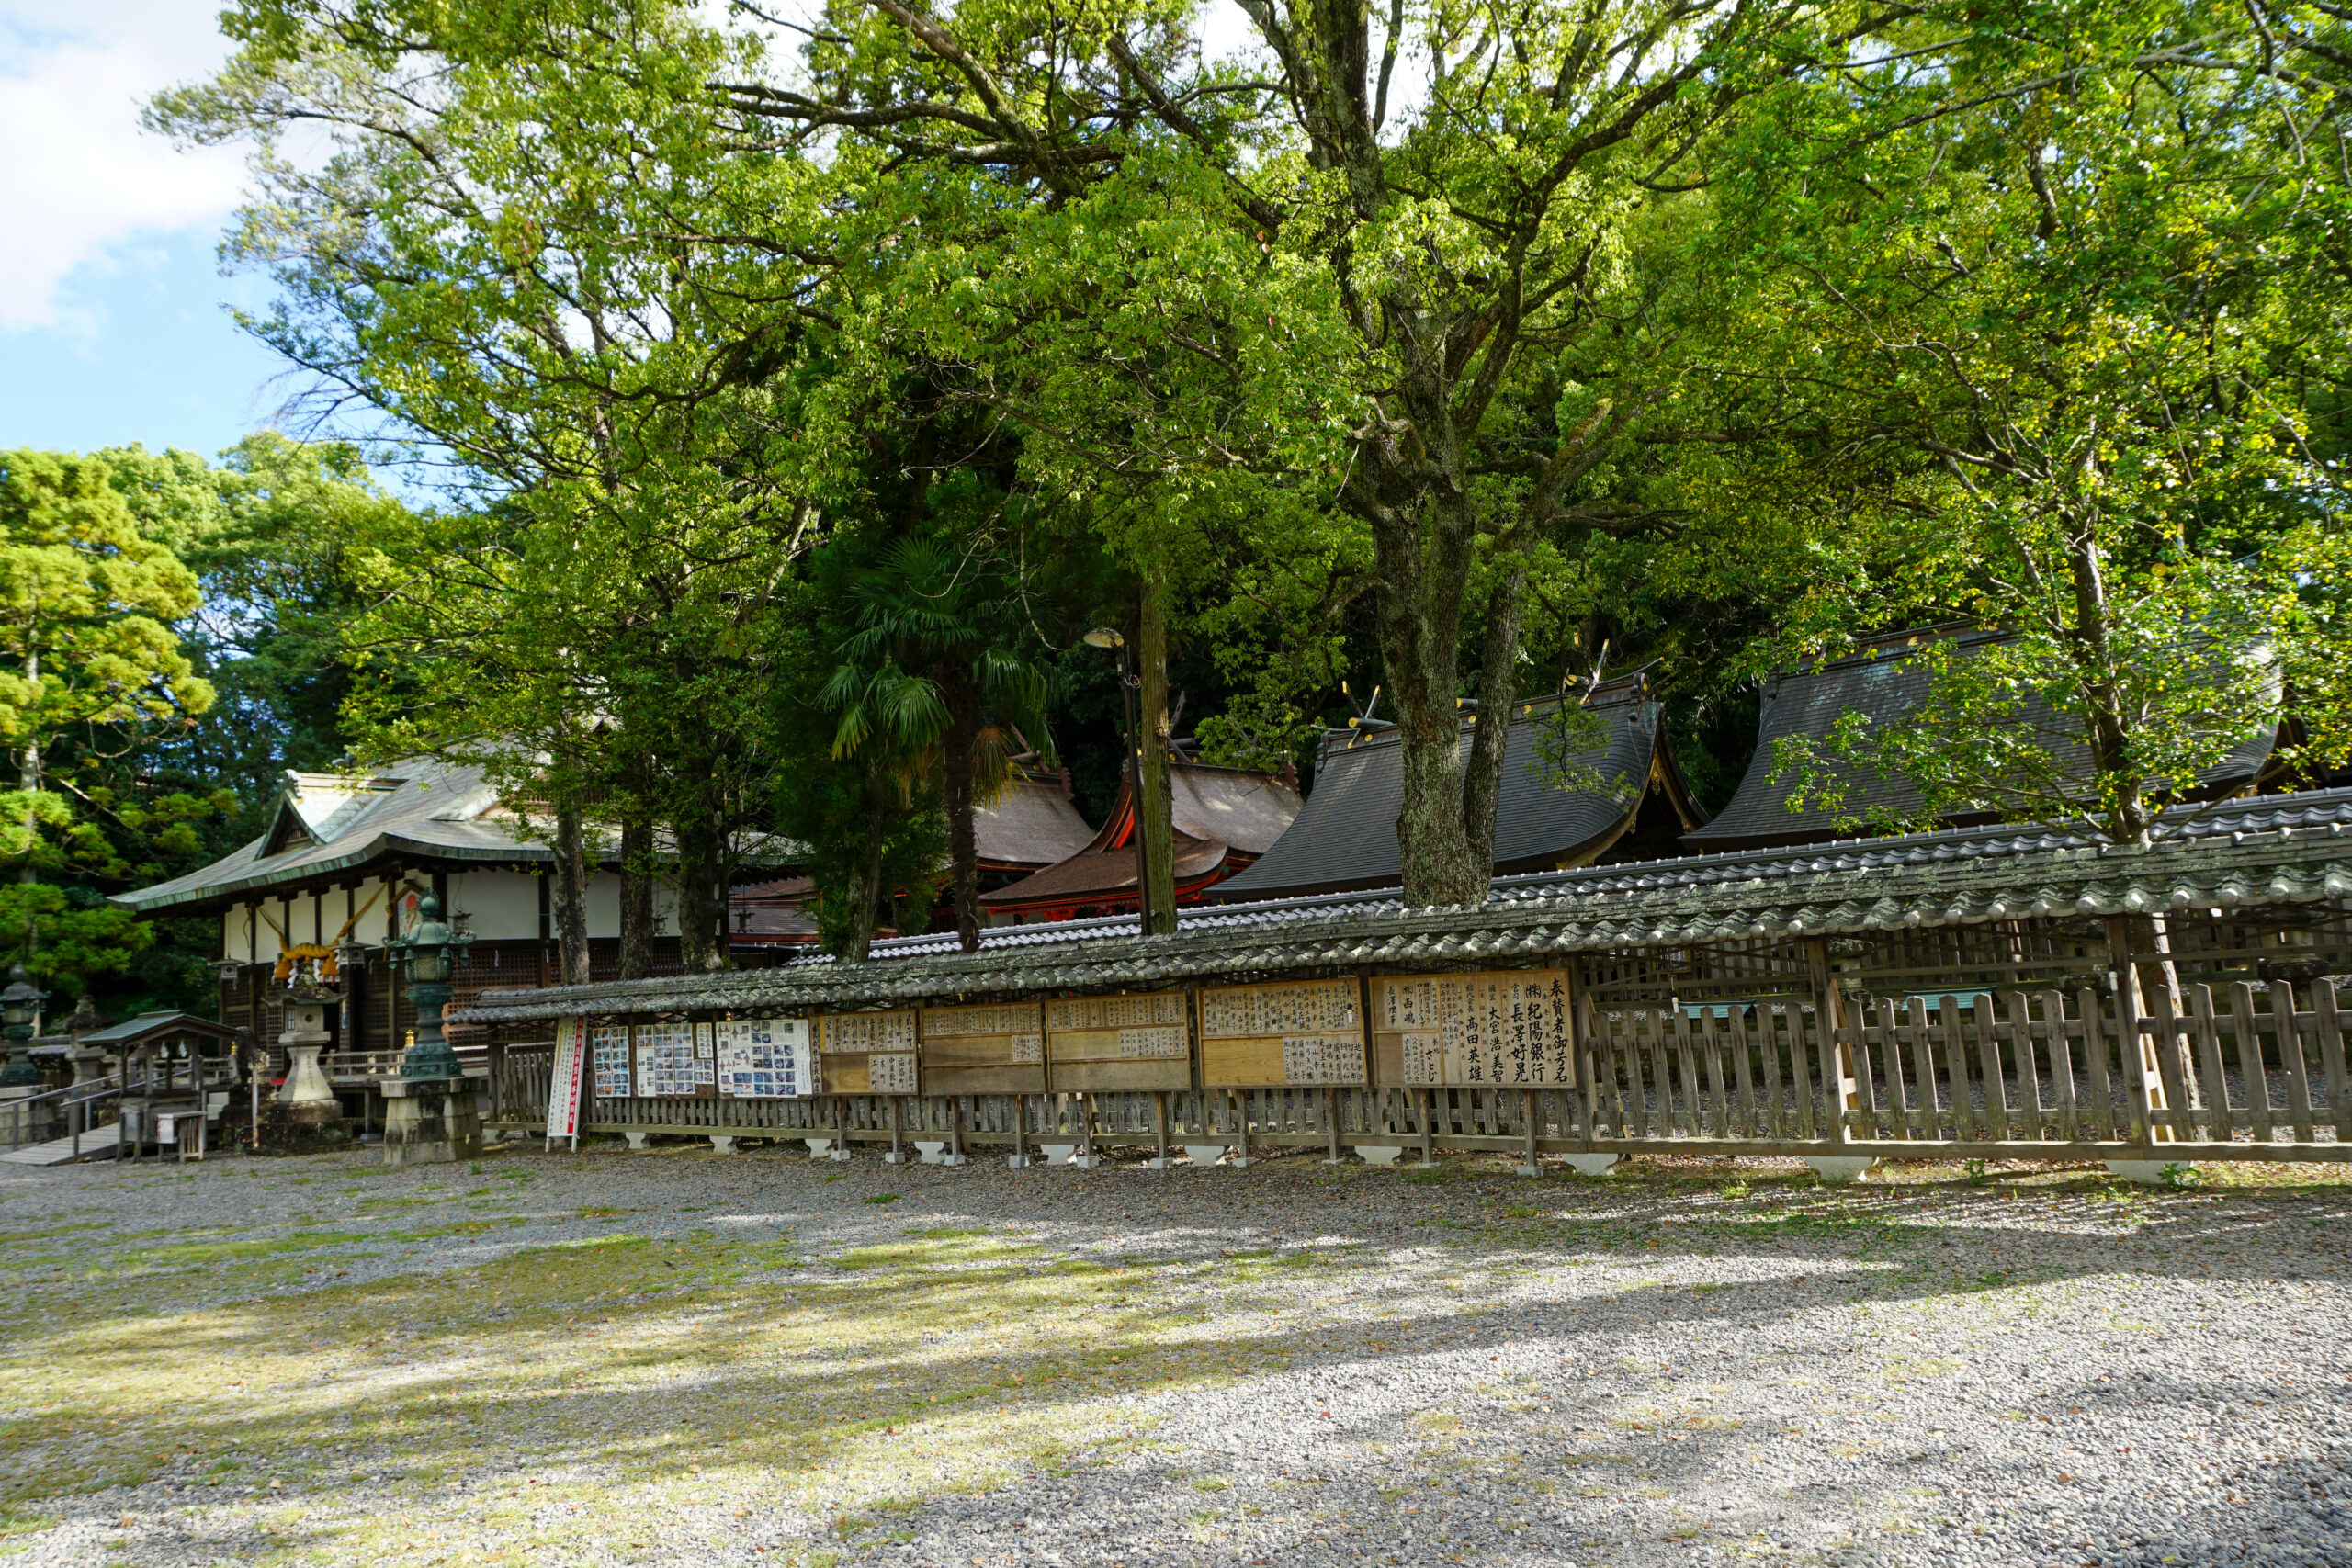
(430, 1115)
(307, 1098)
(19, 1008)
(20, 1081)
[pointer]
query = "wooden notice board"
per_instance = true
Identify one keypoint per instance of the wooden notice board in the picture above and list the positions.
(1308, 1032)
(1505, 1030)
(675, 1060)
(765, 1058)
(994, 1049)
(608, 1059)
(868, 1053)
(1102, 1045)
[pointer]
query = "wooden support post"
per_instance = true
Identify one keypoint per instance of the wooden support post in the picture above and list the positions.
(1019, 1130)
(1159, 1126)
(956, 1128)
(2143, 1074)
(1838, 1079)
(1580, 1051)
(1240, 1126)
(1331, 1123)
(1086, 1129)
(897, 1116)
(1527, 1164)
(1429, 1113)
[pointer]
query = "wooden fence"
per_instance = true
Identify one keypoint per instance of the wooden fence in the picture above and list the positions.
(2237, 1070)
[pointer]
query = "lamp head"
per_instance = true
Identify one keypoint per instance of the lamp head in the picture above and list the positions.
(17, 1001)
(1103, 637)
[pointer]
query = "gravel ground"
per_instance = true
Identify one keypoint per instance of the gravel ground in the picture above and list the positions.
(677, 1357)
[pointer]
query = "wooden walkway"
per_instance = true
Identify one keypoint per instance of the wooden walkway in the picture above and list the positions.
(98, 1141)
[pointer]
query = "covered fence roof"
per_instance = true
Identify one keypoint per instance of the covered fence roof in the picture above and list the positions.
(2281, 849)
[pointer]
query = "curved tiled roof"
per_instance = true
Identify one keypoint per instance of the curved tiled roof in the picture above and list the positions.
(1882, 684)
(2280, 850)
(1346, 835)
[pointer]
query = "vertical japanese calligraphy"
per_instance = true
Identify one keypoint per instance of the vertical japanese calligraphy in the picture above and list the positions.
(1503, 1029)
(1309, 1031)
(868, 1053)
(997, 1049)
(1104, 1045)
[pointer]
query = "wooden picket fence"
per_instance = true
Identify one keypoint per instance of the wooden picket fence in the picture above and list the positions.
(2237, 1070)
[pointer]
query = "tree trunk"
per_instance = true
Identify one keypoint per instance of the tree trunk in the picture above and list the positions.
(702, 895)
(2122, 792)
(28, 777)
(571, 895)
(864, 895)
(637, 895)
(963, 700)
(1420, 622)
(1155, 782)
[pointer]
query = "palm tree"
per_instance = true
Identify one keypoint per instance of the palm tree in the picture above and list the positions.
(934, 670)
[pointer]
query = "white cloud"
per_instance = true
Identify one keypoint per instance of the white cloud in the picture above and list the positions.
(79, 178)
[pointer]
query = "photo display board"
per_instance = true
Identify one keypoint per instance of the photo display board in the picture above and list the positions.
(1102, 1045)
(608, 1057)
(765, 1058)
(993, 1049)
(675, 1060)
(1307, 1032)
(868, 1053)
(1506, 1029)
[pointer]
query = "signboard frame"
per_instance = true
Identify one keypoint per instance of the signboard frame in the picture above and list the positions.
(1118, 1043)
(962, 1053)
(1285, 1034)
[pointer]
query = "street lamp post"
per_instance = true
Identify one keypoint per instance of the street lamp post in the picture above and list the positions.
(1146, 850)
(429, 1111)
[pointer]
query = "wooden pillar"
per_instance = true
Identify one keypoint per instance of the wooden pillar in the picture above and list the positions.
(1580, 1052)
(897, 1103)
(1331, 1122)
(956, 1127)
(1528, 1165)
(1159, 1122)
(1428, 1115)
(1020, 1128)
(1838, 1077)
(2143, 1074)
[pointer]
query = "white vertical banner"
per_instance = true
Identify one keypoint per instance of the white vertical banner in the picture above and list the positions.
(564, 1086)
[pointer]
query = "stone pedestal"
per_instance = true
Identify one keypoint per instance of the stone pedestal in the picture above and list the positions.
(430, 1121)
(21, 1123)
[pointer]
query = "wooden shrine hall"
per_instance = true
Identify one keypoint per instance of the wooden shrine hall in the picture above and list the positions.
(1609, 791)
(1222, 820)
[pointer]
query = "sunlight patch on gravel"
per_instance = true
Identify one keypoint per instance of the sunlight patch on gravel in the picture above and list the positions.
(666, 1358)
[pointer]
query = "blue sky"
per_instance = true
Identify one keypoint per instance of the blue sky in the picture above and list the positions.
(112, 326)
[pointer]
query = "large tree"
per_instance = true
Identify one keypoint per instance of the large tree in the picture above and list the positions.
(2058, 351)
